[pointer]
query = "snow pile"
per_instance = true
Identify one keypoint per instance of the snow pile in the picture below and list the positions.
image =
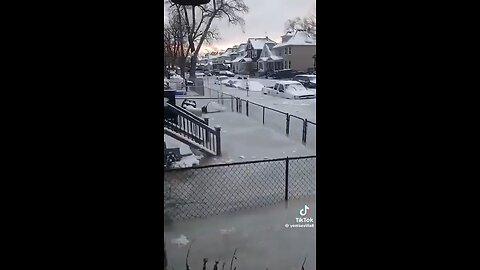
(213, 107)
(253, 86)
(186, 162)
(173, 143)
(181, 241)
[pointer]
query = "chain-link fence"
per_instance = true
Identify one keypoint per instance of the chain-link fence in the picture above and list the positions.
(211, 190)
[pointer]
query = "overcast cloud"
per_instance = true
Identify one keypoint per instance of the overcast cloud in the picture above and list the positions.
(266, 17)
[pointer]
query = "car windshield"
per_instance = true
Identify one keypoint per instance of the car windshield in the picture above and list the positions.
(295, 87)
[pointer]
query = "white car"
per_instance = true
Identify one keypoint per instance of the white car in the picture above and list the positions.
(290, 90)
(227, 73)
(219, 79)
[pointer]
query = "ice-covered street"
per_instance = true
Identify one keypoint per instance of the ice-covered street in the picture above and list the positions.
(302, 108)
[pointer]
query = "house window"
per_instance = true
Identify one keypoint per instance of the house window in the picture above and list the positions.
(255, 53)
(289, 64)
(289, 50)
(285, 51)
(285, 65)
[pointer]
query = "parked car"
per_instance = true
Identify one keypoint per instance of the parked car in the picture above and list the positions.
(283, 74)
(289, 89)
(309, 81)
(226, 73)
(219, 79)
(230, 83)
(207, 73)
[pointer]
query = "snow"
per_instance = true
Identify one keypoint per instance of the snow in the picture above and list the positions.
(248, 139)
(299, 38)
(174, 143)
(259, 234)
(186, 162)
(253, 86)
(301, 108)
(181, 241)
(214, 107)
(269, 55)
(258, 43)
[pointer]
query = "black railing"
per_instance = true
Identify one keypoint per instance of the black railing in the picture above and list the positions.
(211, 190)
(293, 126)
(191, 129)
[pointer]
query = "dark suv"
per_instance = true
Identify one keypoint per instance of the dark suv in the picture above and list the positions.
(283, 74)
(309, 81)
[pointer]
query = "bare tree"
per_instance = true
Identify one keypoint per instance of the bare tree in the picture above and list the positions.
(307, 23)
(198, 21)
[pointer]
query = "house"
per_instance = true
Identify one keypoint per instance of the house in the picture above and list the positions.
(269, 60)
(239, 63)
(296, 50)
(254, 50)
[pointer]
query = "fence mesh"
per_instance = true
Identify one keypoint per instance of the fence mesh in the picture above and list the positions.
(212, 190)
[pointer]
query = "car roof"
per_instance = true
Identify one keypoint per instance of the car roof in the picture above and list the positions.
(288, 82)
(306, 75)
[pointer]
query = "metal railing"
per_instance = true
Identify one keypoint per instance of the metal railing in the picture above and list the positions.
(293, 126)
(198, 192)
(193, 128)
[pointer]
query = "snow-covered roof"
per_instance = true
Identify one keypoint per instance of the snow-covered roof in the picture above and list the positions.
(300, 37)
(258, 43)
(240, 57)
(228, 52)
(246, 59)
(242, 47)
(269, 54)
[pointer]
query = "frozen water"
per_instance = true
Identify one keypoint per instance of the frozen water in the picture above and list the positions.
(260, 236)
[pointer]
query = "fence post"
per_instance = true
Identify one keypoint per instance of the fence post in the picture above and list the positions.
(236, 100)
(263, 114)
(247, 107)
(217, 137)
(304, 135)
(231, 102)
(286, 179)
(287, 125)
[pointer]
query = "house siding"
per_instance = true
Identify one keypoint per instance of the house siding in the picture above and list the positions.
(301, 57)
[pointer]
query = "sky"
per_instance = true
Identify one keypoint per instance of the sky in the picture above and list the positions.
(265, 18)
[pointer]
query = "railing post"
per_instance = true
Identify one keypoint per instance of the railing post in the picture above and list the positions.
(286, 179)
(304, 134)
(206, 120)
(287, 125)
(218, 142)
(263, 114)
(247, 107)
